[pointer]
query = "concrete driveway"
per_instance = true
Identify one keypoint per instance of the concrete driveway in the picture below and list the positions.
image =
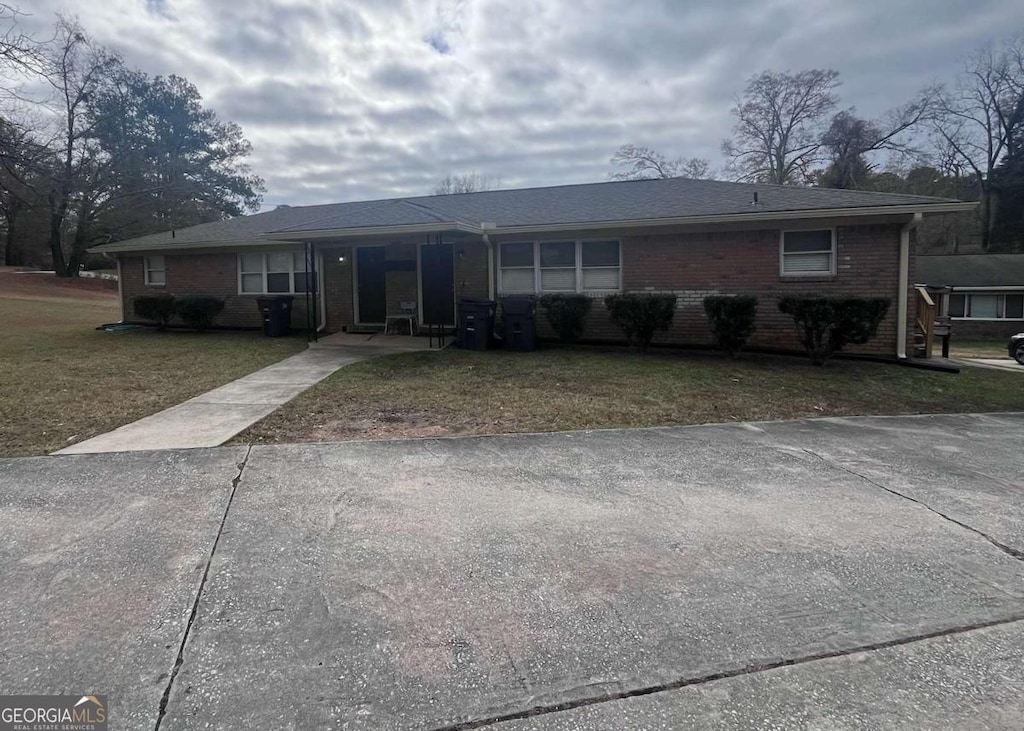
(838, 573)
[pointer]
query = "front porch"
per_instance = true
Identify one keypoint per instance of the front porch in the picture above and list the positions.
(372, 284)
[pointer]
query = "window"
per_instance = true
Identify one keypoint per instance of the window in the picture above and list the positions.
(559, 266)
(805, 253)
(156, 270)
(987, 306)
(275, 272)
(517, 267)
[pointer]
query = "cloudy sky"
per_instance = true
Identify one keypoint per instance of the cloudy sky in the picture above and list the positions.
(352, 99)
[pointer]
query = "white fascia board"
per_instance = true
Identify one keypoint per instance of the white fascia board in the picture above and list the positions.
(365, 231)
(1006, 288)
(817, 213)
(170, 248)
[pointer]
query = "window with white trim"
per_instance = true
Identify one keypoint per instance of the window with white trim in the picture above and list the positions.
(272, 272)
(156, 271)
(986, 306)
(804, 253)
(548, 267)
(517, 272)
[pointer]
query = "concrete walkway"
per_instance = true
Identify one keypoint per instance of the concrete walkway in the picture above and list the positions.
(212, 418)
(1003, 364)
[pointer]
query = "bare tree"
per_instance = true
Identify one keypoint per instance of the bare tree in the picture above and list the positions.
(17, 49)
(779, 125)
(850, 139)
(643, 163)
(982, 115)
(76, 69)
(473, 182)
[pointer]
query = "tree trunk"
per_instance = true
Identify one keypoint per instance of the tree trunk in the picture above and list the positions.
(12, 252)
(56, 240)
(78, 245)
(985, 214)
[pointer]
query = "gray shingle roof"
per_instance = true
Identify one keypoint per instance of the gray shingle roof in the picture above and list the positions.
(560, 205)
(971, 270)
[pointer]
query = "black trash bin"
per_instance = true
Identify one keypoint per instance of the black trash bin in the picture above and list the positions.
(277, 315)
(476, 323)
(518, 314)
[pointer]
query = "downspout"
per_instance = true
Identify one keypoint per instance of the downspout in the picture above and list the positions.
(320, 289)
(120, 288)
(490, 259)
(902, 301)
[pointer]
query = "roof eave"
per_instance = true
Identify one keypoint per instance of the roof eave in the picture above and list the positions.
(362, 231)
(817, 213)
(129, 247)
(397, 230)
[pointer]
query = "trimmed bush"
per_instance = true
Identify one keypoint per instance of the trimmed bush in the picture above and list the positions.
(641, 315)
(828, 324)
(567, 314)
(731, 320)
(198, 311)
(156, 307)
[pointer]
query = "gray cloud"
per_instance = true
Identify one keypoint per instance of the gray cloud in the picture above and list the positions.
(372, 98)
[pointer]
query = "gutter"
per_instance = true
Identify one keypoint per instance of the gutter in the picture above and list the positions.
(354, 233)
(485, 227)
(741, 218)
(1007, 288)
(284, 237)
(320, 288)
(902, 302)
(120, 288)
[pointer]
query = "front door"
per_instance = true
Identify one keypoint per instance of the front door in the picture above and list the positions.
(371, 289)
(437, 284)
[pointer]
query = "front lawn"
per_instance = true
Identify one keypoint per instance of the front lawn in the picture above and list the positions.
(466, 392)
(62, 381)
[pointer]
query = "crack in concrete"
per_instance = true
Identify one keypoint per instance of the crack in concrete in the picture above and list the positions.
(1009, 550)
(543, 710)
(180, 659)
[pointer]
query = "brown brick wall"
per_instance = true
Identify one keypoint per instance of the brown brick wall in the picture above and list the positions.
(691, 265)
(210, 274)
(471, 271)
(988, 330)
(694, 265)
(337, 278)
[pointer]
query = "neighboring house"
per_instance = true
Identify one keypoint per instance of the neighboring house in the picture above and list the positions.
(689, 237)
(985, 296)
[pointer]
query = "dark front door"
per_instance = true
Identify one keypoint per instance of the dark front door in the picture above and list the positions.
(370, 285)
(437, 273)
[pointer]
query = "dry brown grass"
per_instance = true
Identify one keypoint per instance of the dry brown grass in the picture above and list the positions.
(63, 381)
(465, 392)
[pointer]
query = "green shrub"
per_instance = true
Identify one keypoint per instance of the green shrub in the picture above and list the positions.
(156, 307)
(198, 311)
(640, 315)
(567, 314)
(829, 324)
(731, 320)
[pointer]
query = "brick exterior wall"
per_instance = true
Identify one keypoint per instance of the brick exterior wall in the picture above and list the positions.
(988, 330)
(691, 265)
(694, 265)
(337, 279)
(209, 274)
